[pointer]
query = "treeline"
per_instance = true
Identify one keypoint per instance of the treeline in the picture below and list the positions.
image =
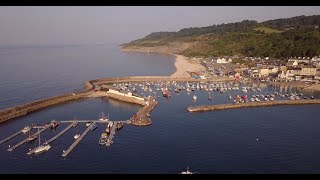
(244, 26)
(288, 37)
(277, 45)
(294, 22)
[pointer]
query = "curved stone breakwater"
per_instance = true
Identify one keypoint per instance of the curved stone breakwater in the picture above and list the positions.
(28, 108)
(251, 104)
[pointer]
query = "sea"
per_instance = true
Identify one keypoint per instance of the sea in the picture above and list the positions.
(258, 140)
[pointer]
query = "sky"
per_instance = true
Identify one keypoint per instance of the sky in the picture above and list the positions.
(49, 25)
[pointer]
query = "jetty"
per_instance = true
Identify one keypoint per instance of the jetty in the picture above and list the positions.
(55, 137)
(252, 104)
(10, 137)
(77, 141)
(110, 137)
(141, 118)
(24, 141)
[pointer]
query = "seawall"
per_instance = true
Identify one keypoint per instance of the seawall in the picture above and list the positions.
(251, 104)
(28, 108)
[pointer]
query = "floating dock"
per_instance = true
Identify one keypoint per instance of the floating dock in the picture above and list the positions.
(65, 153)
(24, 141)
(55, 137)
(110, 137)
(10, 137)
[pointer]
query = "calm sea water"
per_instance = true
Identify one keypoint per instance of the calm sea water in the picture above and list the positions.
(211, 142)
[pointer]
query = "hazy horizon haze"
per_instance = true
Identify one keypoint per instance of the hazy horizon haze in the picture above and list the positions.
(51, 25)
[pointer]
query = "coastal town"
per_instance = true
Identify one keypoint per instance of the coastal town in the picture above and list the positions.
(296, 71)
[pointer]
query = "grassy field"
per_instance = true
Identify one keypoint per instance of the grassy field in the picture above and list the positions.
(267, 30)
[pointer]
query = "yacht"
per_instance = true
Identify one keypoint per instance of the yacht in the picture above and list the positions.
(26, 129)
(76, 136)
(42, 148)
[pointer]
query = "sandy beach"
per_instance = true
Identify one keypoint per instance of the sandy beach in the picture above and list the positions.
(183, 65)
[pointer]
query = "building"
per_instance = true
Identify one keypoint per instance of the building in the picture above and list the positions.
(299, 60)
(273, 70)
(308, 71)
(263, 72)
(293, 71)
(221, 61)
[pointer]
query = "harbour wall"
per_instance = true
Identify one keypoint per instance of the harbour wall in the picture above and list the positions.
(28, 108)
(125, 97)
(252, 104)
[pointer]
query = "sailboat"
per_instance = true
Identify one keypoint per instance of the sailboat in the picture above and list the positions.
(210, 98)
(186, 172)
(42, 148)
(103, 117)
(31, 138)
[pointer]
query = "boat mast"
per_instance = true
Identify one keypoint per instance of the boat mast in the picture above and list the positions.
(39, 137)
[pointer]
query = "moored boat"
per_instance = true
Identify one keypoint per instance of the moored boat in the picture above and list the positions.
(26, 129)
(103, 117)
(94, 127)
(76, 136)
(54, 124)
(88, 123)
(119, 125)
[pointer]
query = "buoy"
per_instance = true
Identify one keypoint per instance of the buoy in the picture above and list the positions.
(257, 139)
(9, 145)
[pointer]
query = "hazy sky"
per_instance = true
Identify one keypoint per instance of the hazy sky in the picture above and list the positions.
(91, 25)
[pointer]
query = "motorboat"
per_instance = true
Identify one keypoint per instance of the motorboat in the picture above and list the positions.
(88, 123)
(76, 136)
(26, 129)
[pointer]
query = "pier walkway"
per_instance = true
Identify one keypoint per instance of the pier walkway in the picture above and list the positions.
(24, 141)
(54, 138)
(252, 104)
(141, 118)
(10, 137)
(113, 131)
(77, 141)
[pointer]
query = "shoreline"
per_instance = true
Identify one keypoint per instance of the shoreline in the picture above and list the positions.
(181, 64)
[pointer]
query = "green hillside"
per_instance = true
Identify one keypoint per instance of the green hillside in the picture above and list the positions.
(280, 38)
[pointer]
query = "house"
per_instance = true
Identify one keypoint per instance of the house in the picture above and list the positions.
(308, 71)
(293, 71)
(299, 60)
(221, 61)
(263, 72)
(237, 75)
(273, 70)
(255, 73)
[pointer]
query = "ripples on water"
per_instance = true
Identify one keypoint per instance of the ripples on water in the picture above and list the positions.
(211, 142)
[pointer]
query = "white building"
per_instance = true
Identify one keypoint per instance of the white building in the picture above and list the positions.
(221, 61)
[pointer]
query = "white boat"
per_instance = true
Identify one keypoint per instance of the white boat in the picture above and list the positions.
(110, 124)
(42, 148)
(186, 172)
(26, 129)
(103, 117)
(194, 97)
(76, 136)
(88, 124)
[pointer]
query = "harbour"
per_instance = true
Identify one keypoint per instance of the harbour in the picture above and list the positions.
(227, 136)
